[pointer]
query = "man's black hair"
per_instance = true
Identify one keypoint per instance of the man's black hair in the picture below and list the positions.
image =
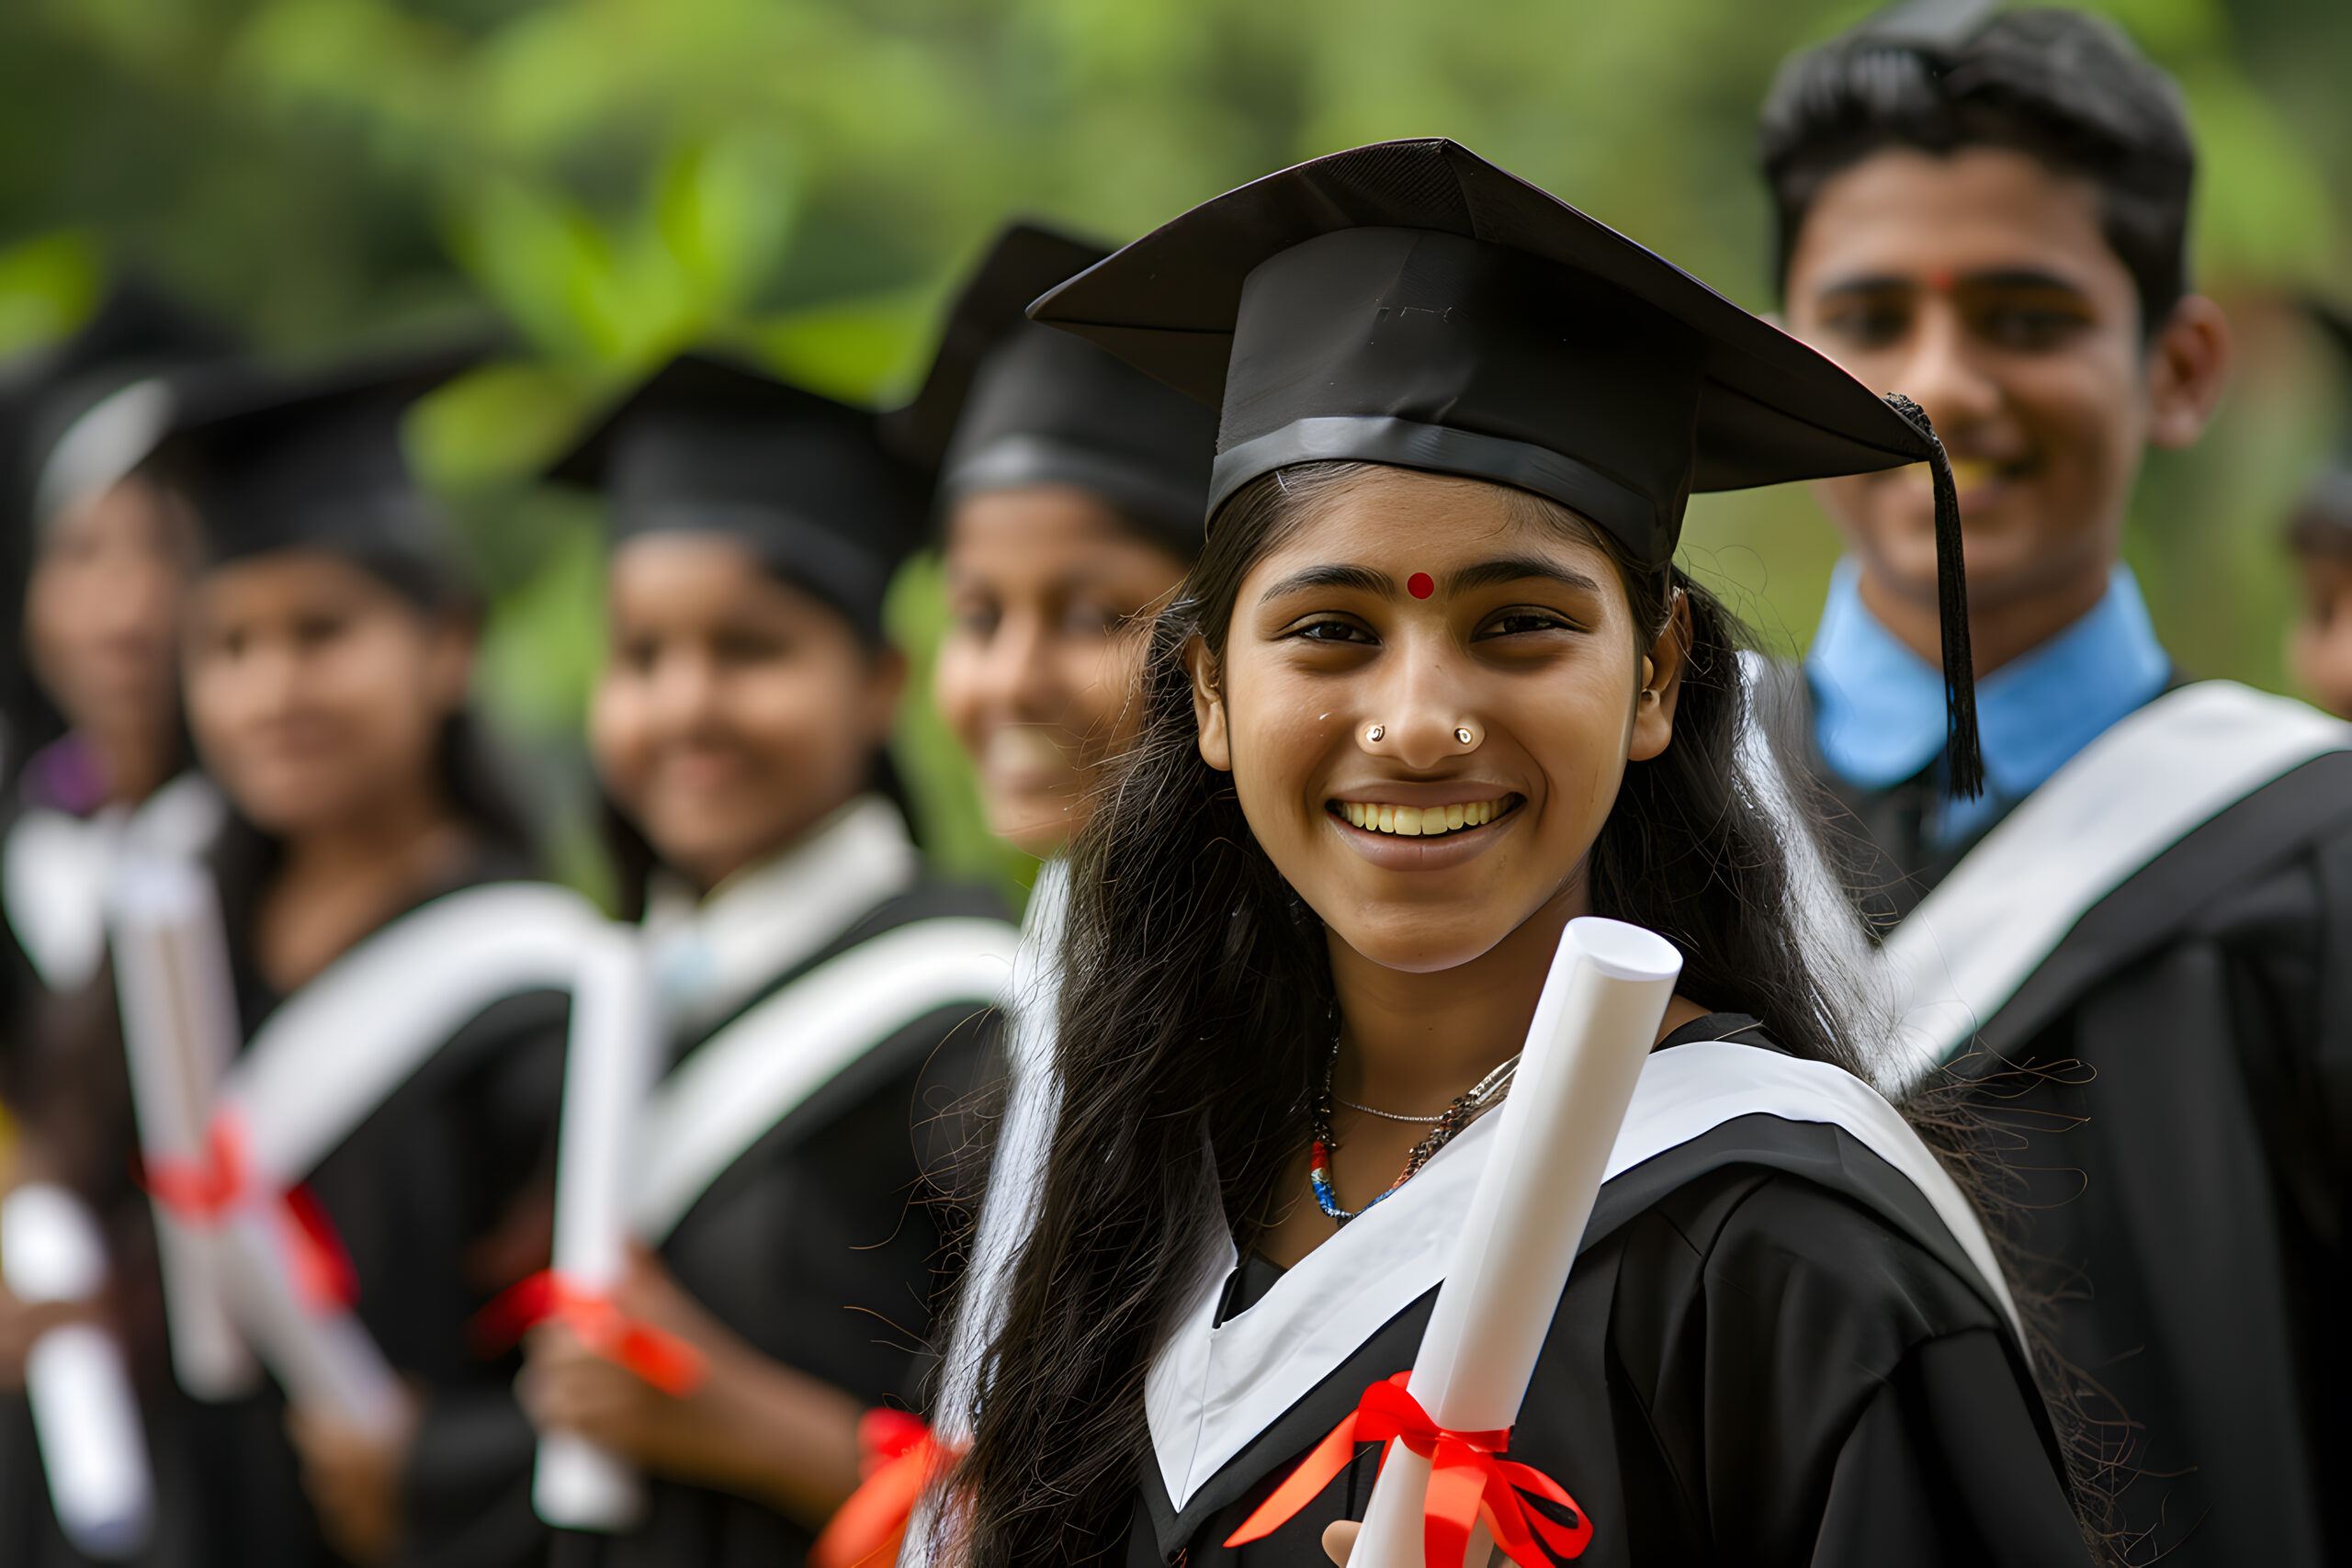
(2064, 87)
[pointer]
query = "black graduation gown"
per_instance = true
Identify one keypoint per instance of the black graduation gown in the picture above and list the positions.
(817, 1246)
(2170, 1093)
(432, 1196)
(1770, 1352)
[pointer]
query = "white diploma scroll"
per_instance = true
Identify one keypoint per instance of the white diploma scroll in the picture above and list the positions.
(179, 1031)
(1593, 1029)
(85, 1415)
(610, 1066)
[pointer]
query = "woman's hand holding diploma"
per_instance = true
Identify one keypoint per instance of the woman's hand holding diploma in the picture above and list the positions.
(1608, 990)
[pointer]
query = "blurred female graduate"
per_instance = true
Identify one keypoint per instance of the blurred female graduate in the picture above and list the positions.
(1433, 689)
(828, 1004)
(328, 651)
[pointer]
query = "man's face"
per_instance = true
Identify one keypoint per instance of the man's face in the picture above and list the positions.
(1979, 284)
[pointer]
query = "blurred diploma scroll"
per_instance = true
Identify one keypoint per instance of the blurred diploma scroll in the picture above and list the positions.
(85, 1415)
(1593, 1029)
(179, 1033)
(242, 1254)
(608, 1071)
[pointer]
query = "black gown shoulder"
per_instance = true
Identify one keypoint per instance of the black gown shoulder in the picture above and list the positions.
(1768, 1353)
(2169, 1094)
(440, 1197)
(823, 1244)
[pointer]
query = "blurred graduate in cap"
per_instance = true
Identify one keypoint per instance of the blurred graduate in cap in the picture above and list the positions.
(826, 1002)
(328, 648)
(2319, 536)
(2127, 945)
(1071, 491)
(1433, 688)
(95, 756)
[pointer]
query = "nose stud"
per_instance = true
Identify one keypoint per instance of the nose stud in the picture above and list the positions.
(1464, 735)
(1377, 733)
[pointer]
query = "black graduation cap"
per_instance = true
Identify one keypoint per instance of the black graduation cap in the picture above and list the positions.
(2326, 509)
(273, 461)
(94, 407)
(1410, 303)
(709, 446)
(1009, 403)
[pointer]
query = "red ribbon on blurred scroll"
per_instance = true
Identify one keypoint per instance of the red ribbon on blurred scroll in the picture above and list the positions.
(202, 1192)
(659, 1357)
(1535, 1522)
(898, 1458)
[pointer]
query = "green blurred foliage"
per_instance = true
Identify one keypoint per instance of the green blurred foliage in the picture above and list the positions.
(801, 180)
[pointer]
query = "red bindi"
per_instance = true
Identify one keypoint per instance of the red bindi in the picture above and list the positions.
(1420, 585)
(1940, 280)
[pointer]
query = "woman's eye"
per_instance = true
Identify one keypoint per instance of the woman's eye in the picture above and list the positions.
(1333, 631)
(1876, 325)
(317, 631)
(1084, 618)
(2029, 327)
(978, 621)
(749, 648)
(1518, 622)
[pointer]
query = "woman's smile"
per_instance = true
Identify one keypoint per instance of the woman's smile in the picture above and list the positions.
(1422, 821)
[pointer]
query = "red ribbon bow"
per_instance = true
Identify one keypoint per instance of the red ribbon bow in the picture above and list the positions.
(1535, 1522)
(204, 1192)
(662, 1359)
(898, 1457)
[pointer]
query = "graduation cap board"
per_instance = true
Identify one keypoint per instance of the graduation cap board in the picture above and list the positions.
(709, 446)
(2327, 501)
(1010, 404)
(1410, 303)
(277, 462)
(96, 408)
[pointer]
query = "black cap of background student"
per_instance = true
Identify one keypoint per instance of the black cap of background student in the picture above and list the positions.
(1009, 403)
(272, 461)
(96, 406)
(709, 446)
(2322, 522)
(1410, 303)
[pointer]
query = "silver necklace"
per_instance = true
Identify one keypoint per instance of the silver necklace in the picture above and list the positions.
(1480, 1092)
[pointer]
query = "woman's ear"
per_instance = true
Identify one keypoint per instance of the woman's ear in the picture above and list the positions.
(1662, 669)
(1208, 706)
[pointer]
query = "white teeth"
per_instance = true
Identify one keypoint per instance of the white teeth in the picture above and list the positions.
(1420, 821)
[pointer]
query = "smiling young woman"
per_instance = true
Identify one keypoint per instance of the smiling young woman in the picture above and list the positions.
(1433, 690)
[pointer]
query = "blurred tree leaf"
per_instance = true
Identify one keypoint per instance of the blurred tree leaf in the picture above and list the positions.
(49, 285)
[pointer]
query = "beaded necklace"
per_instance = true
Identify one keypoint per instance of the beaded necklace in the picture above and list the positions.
(1482, 1095)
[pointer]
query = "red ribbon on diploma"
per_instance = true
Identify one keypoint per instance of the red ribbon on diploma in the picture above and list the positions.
(1535, 1522)
(898, 1458)
(203, 1192)
(659, 1357)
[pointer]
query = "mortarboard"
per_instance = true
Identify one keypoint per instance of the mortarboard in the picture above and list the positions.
(272, 461)
(2326, 509)
(1410, 303)
(1009, 403)
(709, 446)
(96, 406)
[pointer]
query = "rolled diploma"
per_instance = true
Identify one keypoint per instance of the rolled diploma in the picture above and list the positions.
(179, 1021)
(1593, 1029)
(610, 1066)
(85, 1415)
(179, 1031)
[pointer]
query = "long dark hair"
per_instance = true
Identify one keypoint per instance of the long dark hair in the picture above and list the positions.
(1197, 990)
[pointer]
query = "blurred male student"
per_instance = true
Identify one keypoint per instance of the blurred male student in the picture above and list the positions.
(2319, 536)
(2134, 947)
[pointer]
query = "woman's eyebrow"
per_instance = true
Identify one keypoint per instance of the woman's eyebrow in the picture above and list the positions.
(1362, 578)
(1518, 568)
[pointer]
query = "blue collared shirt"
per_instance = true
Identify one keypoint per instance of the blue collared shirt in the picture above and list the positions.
(1879, 708)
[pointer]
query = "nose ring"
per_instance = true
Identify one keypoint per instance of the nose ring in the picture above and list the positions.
(1378, 732)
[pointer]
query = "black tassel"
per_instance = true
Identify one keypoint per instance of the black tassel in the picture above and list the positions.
(1964, 759)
